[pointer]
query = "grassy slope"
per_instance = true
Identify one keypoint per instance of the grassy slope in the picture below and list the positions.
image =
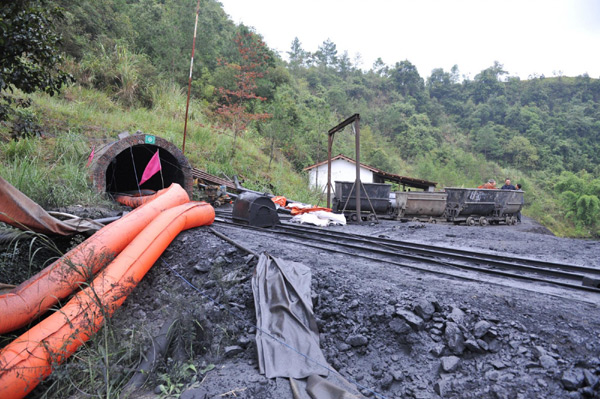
(51, 170)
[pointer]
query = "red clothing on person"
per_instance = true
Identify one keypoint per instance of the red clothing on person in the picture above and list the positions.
(489, 186)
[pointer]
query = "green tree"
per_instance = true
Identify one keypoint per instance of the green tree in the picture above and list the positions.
(167, 44)
(568, 181)
(419, 137)
(568, 200)
(487, 141)
(392, 119)
(380, 159)
(444, 87)
(90, 25)
(535, 92)
(379, 67)
(345, 65)
(588, 209)
(280, 127)
(522, 153)
(297, 55)
(326, 55)
(406, 79)
(593, 188)
(29, 56)
(487, 83)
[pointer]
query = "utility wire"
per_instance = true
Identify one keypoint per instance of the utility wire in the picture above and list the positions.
(137, 181)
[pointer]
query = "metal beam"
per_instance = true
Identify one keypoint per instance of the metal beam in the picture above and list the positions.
(345, 123)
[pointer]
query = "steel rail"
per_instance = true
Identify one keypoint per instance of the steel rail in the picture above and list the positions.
(443, 251)
(420, 258)
(448, 252)
(443, 273)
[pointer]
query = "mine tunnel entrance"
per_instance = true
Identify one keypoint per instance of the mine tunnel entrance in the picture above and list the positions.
(119, 166)
(126, 169)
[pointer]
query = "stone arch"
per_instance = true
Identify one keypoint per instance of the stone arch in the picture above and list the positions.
(118, 166)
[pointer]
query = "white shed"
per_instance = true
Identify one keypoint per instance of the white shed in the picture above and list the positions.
(343, 168)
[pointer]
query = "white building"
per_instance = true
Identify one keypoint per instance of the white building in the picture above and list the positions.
(344, 169)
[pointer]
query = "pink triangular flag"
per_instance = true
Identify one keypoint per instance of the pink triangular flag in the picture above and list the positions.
(91, 157)
(151, 169)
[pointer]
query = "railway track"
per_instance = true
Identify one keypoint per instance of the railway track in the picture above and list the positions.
(435, 259)
(433, 250)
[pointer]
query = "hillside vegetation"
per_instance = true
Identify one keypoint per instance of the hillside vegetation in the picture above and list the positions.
(256, 115)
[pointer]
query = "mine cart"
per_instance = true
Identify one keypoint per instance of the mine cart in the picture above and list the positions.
(424, 206)
(482, 206)
(374, 197)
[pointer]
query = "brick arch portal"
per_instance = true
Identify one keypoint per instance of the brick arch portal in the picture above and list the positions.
(115, 166)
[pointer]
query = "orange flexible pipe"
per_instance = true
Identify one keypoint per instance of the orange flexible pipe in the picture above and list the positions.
(133, 201)
(33, 297)
(30, 358)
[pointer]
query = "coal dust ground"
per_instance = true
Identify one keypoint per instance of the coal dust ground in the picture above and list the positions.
(394, 332)
(391, 331)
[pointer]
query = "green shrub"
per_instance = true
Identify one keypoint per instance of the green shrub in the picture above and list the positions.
(71, 146)
(15, 150)
(24, 124)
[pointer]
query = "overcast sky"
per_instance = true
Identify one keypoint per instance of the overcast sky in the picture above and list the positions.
(527, 36)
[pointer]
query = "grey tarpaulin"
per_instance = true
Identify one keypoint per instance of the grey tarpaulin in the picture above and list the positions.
(319, 388)
(18, 210)
(284, 310)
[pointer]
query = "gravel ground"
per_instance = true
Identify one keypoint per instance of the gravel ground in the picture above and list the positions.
(392, 332)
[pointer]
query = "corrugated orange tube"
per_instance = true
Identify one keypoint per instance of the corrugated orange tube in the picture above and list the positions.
(36, 295)
(30, 358)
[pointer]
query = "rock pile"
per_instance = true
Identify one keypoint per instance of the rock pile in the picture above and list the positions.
(391, 344)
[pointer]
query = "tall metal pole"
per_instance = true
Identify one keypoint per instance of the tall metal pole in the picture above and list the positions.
(329, 145)
(187, 105)
(358, 183)
(331, 132)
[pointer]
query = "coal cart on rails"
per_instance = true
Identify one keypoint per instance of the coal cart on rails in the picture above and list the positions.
(418, 206)
(482, 206)
(374, 198)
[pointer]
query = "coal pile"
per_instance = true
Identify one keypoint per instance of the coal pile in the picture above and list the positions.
(392, 332)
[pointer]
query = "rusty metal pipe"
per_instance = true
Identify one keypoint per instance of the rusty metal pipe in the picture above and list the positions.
(232, 242)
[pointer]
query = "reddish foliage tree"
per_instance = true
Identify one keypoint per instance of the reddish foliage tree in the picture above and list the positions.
(233, 111)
